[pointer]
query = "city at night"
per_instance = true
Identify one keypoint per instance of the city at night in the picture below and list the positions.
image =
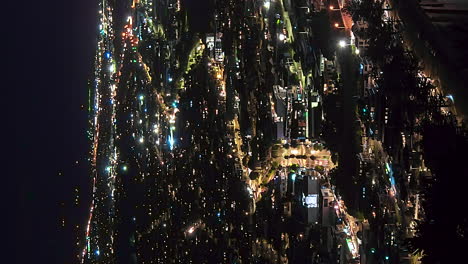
(238, 132)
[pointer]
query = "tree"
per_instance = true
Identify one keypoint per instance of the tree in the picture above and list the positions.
(443, 233)
(368, 10)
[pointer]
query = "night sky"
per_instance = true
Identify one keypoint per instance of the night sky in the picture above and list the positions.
(54, 44)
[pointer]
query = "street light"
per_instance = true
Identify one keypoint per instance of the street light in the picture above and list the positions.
(281, 37)
(337, 25)
(342, 43)
(191, 229)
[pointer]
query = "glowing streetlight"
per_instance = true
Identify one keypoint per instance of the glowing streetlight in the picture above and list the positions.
(191, 229)
(342, 43)
(112, 68)
(281, 37)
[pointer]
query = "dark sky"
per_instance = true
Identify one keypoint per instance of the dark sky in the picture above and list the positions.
(50, 60)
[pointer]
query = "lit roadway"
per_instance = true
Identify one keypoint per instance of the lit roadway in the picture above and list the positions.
(322, 157)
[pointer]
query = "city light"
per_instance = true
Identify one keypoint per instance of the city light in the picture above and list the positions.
(187, 198)
(450, 97)
(281, 37)
(250, 191)
(171, 142)
(342, 43)
(191, 230)
(112, 68)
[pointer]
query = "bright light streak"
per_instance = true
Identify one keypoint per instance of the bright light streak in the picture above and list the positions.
(342, 43)
(450, 97)
(171, 142)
